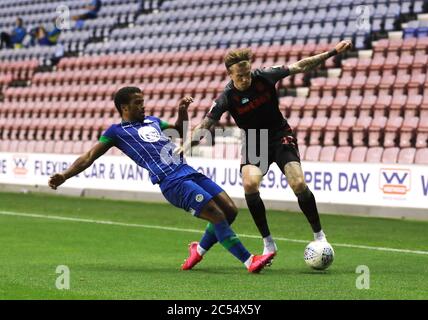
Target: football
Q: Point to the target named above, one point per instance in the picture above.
(319, 255)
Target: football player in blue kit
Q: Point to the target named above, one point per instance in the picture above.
(142, 139)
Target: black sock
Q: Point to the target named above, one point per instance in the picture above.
(309, 207)
(258, 211)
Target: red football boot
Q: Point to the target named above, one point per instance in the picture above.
(194, 257)
(259, 262)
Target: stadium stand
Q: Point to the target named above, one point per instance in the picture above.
(369, 106)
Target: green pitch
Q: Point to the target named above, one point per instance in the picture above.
(139, 256)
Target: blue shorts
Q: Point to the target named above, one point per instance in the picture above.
(189, 190)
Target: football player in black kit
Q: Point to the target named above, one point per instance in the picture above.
(252, 100)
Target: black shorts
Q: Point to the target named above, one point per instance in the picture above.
(281, 148)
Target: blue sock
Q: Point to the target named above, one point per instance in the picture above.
(230, 241)
(209, 239)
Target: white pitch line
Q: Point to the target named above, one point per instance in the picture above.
(123, 224)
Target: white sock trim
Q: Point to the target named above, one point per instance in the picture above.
(248, 262)
(201, 250)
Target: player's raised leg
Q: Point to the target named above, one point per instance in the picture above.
(228, 239)
(209, 238)
(294, 174)
(251, 179)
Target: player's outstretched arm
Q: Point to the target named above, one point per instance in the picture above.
(311, 63)
(183, 116)
(82, 163)
(198, 133)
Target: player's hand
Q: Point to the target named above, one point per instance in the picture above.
(185, 102)
(56, 180)
(343, 46)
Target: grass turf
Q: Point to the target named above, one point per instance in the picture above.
(128, 262)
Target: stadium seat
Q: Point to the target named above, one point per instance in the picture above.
(360, 131)
(331, 129)
(407, 156)
(408, 131)
(343, 154)
(390, 155)
(422, 133)
(317, 130)
(421, 156)
(391, 131)
(327, 153)
(376, 130)
(374, 155)
(312, 153)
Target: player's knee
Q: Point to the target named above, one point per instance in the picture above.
(298, 185)
(231, 210)
(250, 186)
(213, 213)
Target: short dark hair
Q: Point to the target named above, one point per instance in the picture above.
(237, 56)
(123, 96)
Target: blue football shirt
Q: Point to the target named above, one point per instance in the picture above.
(146, 144)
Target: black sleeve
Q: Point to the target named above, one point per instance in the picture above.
(274, 74)
(219, 107)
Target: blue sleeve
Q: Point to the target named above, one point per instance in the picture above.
(109, 136)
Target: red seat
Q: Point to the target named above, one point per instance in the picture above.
(338, 106)
(407, 155)
(317, 130)
(386, 83)
(345, 129)
(344, 85)
(303, 128)
(312, 153)
(353, 106)
(310, 106)
(343, 154)
(367, 105)
(416, 83)
(375, 130)
(408, 130)
(390, 64)
(331, 130)
(422, 133)
(421, 156)
(324, 106)
(349, 66)
(357, 85)
(382, 105)
(358, 154)
(317, 85)
(390, 155)
(363, 65)
(328, 153)
(297, 106)
(391, 131)
(412, 106)
(400, 85)
(360, 131)
(374, 155)
(330, 86)
(372, 84)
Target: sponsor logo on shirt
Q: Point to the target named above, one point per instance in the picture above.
(149, 134)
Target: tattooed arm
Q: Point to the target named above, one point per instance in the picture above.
(311, 63)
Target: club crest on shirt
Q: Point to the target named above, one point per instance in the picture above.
(199, 197)
(245, 100)
(149, 134)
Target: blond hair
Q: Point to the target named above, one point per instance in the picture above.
(237, 56)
